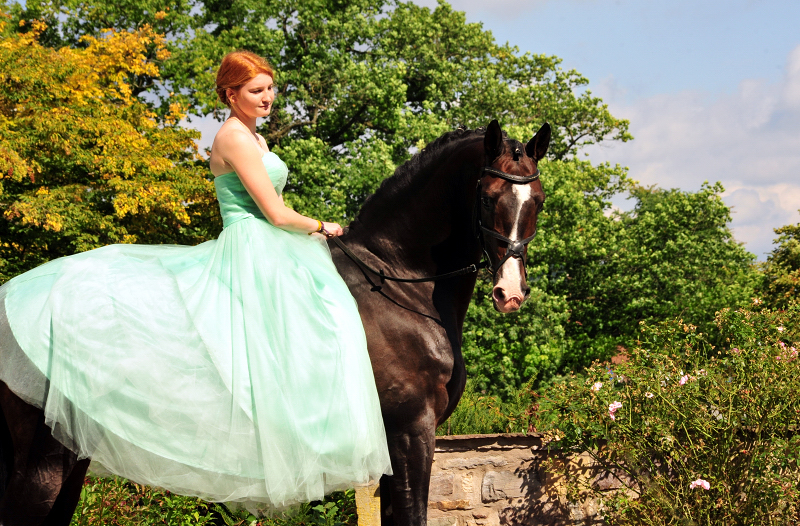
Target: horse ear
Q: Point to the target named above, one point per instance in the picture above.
(537, 146)
(493, 140)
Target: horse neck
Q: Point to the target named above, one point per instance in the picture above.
(428, 226)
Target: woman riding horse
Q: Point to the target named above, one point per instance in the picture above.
(168, 355)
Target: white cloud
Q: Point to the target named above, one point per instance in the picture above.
(791, 88)
(749, 140)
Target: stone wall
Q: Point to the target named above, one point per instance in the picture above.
(499, 480)
(493, 480)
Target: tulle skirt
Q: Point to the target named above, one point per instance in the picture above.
(235, 370)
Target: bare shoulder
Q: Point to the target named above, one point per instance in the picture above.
(232, 137)
(263, 142)
(229, 143)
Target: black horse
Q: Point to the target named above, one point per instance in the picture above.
(469, 193)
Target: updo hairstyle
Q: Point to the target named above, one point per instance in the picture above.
(237, 69)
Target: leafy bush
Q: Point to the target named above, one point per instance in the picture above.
(696, 434)
(338, 509)
(595, 273)
(84, 162)
(119, 502)
(504, 352)
(672, 255)
(480, 413)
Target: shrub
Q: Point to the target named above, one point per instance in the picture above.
(114, 501)
(338, 509)
(478, 412)
(107, 501)
(696, 434)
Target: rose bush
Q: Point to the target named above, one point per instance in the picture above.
(694, 434)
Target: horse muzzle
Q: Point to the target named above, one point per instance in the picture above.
(510, 286)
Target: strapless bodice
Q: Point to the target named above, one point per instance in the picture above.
(235, 203)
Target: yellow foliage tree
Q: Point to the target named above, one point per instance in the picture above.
(83, 161)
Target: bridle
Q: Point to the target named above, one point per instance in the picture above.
(516, 247)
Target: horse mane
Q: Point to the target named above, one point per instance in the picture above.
(408, 174)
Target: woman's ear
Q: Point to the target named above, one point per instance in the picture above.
(230, 95)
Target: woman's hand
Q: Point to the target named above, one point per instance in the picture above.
(332, 229)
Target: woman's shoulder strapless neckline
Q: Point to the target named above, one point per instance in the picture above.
(232, 172)
(235, 203)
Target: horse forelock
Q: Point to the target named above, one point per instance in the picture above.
(419, 166)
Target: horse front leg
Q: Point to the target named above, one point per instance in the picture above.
(45, 478)
(64, 507)
(404, 495)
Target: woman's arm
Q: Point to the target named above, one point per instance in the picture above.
(238, 150)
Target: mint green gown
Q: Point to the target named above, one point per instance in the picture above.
(234, 370)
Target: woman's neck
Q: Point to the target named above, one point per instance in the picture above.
(247, 122)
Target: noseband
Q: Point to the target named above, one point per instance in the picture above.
(515, 247)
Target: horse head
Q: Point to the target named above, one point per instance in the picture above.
(510, 199)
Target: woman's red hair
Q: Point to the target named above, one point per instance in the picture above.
(237, 69)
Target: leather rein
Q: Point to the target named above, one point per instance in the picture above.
(516, 247)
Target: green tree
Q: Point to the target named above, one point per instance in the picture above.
(362, 82)
(85, 163)
(673, 256)
(781, 281)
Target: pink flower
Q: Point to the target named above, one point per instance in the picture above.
(788, 354)
(612, 408)
(700, 483)
(781, 329)
(684, 379)
(597, 386)
(648, 394)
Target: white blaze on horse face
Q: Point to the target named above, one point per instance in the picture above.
(509, 290)
(522, 193)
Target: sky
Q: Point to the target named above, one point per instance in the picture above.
(711, 89)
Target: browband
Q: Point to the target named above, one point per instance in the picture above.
(517, 179)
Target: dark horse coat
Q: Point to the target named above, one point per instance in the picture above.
(423, 221)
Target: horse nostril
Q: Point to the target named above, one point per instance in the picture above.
(499, 294)
(527, 292)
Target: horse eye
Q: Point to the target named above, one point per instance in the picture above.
(486, 201)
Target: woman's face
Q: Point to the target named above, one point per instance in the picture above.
(254, 99)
